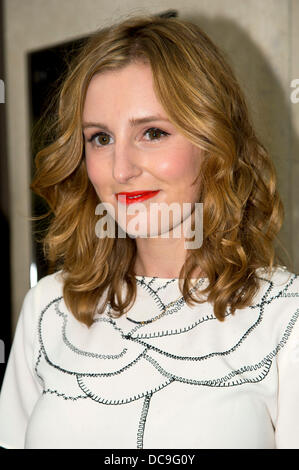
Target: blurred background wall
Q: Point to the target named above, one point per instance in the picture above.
(6, 326)
(259, 37)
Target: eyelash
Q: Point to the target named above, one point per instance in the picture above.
(164, 134)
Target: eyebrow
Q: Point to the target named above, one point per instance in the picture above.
(132, 122)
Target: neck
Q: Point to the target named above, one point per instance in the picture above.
(162, 257)
(159, 257)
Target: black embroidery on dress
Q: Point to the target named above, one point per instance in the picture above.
(222, 353)
(277, 296)
(80, 351)
(90, 374)
(123, 401)
(143, 282)
(142, 421)
(264, 365)
(60, 368)
(55, 392)
(177, 331)
(178, 305)
(36, 371)
(152, 293)
(235, 377)
(207, 356)
(164, 286)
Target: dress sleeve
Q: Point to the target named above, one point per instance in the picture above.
(20, 388)
(287, 424)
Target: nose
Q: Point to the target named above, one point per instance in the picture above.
(126, 162)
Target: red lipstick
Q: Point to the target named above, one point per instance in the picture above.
(136, 196)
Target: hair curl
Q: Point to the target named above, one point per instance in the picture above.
(242, 210)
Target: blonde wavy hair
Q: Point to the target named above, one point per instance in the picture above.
(242, 210)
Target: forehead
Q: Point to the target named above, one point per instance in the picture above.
(117, 90)
(133, 77)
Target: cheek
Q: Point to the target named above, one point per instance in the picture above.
(93, 171)
(181, 164)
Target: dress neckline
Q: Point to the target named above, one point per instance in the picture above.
(165, 278)
(259, 271)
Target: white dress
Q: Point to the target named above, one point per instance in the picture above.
(184, 381)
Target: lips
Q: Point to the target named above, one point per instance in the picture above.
(135, 196)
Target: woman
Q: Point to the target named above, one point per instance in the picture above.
(135, 340)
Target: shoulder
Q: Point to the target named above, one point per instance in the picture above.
(48, 286)
(278, 305)
(280, 284)
(45, 291)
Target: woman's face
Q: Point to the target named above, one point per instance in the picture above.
(124, 154)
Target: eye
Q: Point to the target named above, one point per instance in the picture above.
(100, 139)
(156, 133)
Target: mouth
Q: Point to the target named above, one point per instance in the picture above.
(135, 196)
